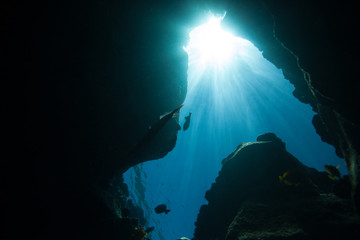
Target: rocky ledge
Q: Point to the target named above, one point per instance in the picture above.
(248, 201)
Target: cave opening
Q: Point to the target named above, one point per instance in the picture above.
(212, 44)
(234, 95)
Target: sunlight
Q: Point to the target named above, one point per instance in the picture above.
(234, 95)
(215, 57)
(211, 43)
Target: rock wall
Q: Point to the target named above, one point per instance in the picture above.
(97, 75)
(315, 46)
(293, 218)
(247, 200)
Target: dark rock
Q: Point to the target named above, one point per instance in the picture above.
(89, 92)
(319, 217)
(342, 188)
(97, 75)
(247, 200)
(314, 45)
(269, 137)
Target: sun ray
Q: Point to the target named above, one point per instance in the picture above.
(234, 95)
(210, 43)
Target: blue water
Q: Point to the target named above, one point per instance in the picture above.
(230, 103)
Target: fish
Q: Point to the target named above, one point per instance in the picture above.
(162, 208)
(187, 122)
(183, 238)
(293, 177)
(153, 131)
(333, 172)
(149, 229)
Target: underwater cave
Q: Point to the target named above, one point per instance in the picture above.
(234, 114)
(234, 95)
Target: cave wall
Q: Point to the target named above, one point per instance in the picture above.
(103, 78)
(96, 77)
(247, 200)
(315, 45)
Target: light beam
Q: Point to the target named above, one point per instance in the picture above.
(211, 43)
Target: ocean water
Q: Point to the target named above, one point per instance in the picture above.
(233, 98)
